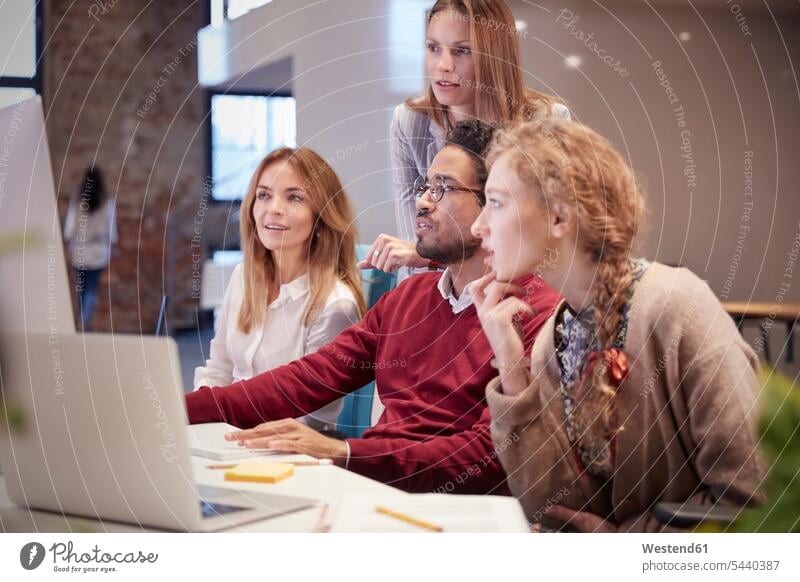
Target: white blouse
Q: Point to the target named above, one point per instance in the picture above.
(90, 234)
(280, 339)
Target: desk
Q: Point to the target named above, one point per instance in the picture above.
(789, 313)
(328, 483)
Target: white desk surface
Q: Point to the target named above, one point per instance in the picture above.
(328, 484)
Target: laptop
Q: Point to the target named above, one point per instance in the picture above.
(103, 431)
(104, 435)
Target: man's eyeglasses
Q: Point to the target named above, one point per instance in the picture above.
(439, 188)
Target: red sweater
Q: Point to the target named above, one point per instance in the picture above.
(431, 367)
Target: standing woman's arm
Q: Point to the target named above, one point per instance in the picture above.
(404, 172)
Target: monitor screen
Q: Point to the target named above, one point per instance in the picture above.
(34, 283)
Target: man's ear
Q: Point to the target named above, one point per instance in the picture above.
(561, 218)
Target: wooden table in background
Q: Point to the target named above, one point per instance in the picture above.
(786, 312)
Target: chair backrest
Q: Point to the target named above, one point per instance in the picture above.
(356, 415)
(213, 283)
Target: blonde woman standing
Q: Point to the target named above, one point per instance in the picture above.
(472, 61)
(639, 389)
(298, 285)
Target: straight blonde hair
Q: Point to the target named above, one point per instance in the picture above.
(331, 247)
(501, 95)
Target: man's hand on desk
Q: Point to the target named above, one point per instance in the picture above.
(291, 436)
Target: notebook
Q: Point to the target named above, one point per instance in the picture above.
(260, 472)
(453, 513)
(208, 441)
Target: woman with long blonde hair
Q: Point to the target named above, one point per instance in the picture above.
(474, 70)
(639, 389)
(298, 285)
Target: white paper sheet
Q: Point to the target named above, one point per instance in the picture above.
(454, 513)
(208, 441)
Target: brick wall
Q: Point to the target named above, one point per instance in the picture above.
(121, 87)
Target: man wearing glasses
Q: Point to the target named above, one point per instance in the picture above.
(389, 253)
(434, 432)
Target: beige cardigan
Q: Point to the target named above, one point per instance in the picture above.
(688, 407)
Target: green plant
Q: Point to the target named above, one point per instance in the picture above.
(11, 415)
(780, 441)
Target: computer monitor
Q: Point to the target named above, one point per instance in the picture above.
(34, 285)
(104, 436)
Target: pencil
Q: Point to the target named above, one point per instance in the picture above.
(295, 463)
(408, 519)
(323, 524)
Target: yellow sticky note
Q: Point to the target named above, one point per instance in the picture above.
(260, 472)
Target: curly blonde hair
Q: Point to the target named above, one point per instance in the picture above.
(567, 162)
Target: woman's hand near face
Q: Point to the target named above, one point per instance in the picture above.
(500, 321)
(389, 253)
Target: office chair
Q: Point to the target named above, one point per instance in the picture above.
(356, 415)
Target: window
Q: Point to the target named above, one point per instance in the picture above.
(230, 9)
(20, 50)
(244, 129)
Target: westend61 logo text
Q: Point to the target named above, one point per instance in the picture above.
(66, 559)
